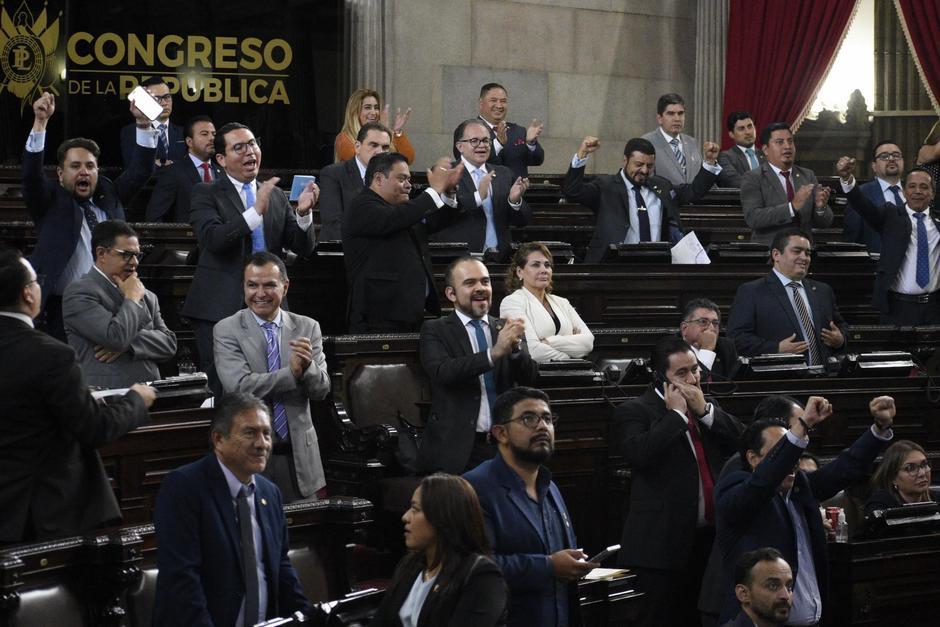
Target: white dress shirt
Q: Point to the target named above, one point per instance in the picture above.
(484, 420)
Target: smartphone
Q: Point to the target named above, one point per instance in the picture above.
(600, 557)
(145, 102)
(660, 383)
(298, 184)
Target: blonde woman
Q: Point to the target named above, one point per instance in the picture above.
(365, 105)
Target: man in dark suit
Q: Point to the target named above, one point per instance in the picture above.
(525, 516)
(766, 500)
(743, 156)
(514, 146)
(634, 205)
(341, 182)
(385, 244)
(887, 164)
(234, 216)
(65, 212)
(52, 483)
(470, 357)
(170, 145)
(675, 442)
(489, 196)
(221, 532)
(700, 324)
(679, 157)
(780, 194)
(170, 200)
(907, 284)
(763, 585)
(785, 312)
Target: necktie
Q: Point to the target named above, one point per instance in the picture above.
(704, 472)
(90, 216)
(483, 345)
(786, 177)
(751, 158)
(923, 252)
(680, 158)
(257, 236)
(807, 323)
(206, 174)
(162, 143)
(249, 557)
(642, 215)
(896, 191)
(274, 364)
(491, 240)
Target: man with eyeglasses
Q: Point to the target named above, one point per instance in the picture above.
(701, 322)
(112, 321)
(489, 196)
(526, 519)
(171, 146)
(887, 164)
(675, 442)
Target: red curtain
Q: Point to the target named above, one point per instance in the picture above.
(921, 22)
(778, 54)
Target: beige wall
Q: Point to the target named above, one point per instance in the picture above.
(582, 66)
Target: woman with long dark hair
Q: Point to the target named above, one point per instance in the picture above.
(902, 477)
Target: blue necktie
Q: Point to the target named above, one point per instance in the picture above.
(483, 345)
(90, 217)
(491, 240)
(680, 158)
(274, 364)
(162, 143)
(895, 190)
(923, 253)
(752, 158)
(257, 236)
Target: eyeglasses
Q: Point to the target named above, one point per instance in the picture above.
(39, 280)
(704, 322)
(476, 141)
(884, 156)
(915, 469)
(241, 147)
(127, 255)
(165, 98)
(532, 420)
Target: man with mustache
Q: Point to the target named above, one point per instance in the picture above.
(779, 193)
(470, 358)
(766, 500)
(515, 147)
(763, 584)
(526, 519)
(173, 190)
(887, 164)
(679, 156)
(743, 156)
(785, 312)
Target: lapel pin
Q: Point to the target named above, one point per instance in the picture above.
(264, 501)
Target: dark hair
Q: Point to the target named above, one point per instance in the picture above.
(77, 142)
(884, 476)
(874, 149)
(449, 272)
(782, 238)
(193, 121)
(519, 259)
(219, 142)
(664, 349)
(263, 258)
(923, 170)
(638, 144)
(383, 163)
(749, 559)
(810, 457)
(153, 80)
(106, 232)
(752, 439)
(459, 131)
(372, 126)
(770, 128)
(699, 303)
(490, 86)
(668, 99)
(14, 276)
(231, 405)
(776, 406)
(736, 116)
(451, 506)
(505, 402)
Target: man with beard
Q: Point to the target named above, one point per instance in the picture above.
(470, 358)
(526, 520)
(173, 190)
(887, 164)
(763, 584)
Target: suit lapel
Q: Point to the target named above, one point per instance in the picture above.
(518, 497)
(255, 342)
(264, 508)
(780, 292)
(459, 334)
(772, 182)
(815, 306)
(222, 500)
(287, 334)
(231, 203)
(112, 293)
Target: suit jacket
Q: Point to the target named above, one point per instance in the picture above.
(172, 192)
(519, 543)
(176, 150)
(751, 514)
(765, 205)
(52, 481)
(663, 514)
(241, 361)
(200, 580)
(95, 313)
(762, 316)
(666, 165)
(894, 225)
(225, 243)
(58, 218)
(741, 620)
(454, 369)
(339, 184)
(609, 199)
(734, 165)
(726, 359)
(516, 154)
(474, 595)
(388, 267)
(854, 228)
(470, 224)
(543, 342)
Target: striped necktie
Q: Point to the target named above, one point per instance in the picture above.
(680, 158)
(274, 364)
(807, 323)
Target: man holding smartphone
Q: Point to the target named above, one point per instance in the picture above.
(170, 141)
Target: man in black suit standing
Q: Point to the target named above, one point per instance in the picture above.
(634, 205)
(743, 156)
(489, 197)
(514, 146)
(470, 357)
(341, 182)
(700, 324)
(675, 442)
(170, 200)
(170, 145)
(52, 483)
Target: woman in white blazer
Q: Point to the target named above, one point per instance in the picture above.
(553, 329)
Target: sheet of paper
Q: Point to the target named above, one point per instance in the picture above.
(605, 573)
(689, 250)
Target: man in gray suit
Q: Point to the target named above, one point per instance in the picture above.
(780, 194)
(112, 321)
(679, 156)
(277, 356)
(743, 156)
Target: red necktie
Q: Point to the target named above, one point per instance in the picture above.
(786, 177)
(206, 176)
(703, 470)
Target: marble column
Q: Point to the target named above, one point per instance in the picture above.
(711, 38)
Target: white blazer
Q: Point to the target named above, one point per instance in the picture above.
(574, 339)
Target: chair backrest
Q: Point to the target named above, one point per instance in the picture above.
(376, 393)
(140, 599)
(311, 572)
(55, 604)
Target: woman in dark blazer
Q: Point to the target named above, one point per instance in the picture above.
(902, 477)
(447, 578)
